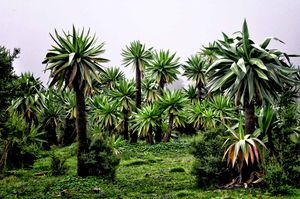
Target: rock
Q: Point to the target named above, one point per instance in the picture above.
(96, 190)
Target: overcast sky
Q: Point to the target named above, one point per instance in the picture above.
(182, 26)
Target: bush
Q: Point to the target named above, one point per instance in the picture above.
(208, 167)
(101, 160)
(276, 179)
(287, 151)
(58, 166)
(19, 146)
(282, 169)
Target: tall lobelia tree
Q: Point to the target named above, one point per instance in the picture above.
(150, 90)
(145, 120)
(172, 102)
(250, 72)
(75, 62)
(138, 56)
(51, 114)
(29, 99)
(68, 99)
(110, 77)
(124, 96)
(105, 113)
(164, 69)
(195, 69)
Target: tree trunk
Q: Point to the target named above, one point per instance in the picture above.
(81, 130)
(161, 86)
(170, 127)
(150, 136)
(249, 117)
(138, 85)
(159, 131)
(138, 97)
(69, 132)
(199, 90)
(134, 137)
(125, 124)
(51, 137)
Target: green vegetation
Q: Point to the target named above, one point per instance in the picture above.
(96, 134)
(146, 171)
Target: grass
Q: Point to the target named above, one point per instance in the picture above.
(157, 171)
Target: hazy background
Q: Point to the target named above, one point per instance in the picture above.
(182, 26)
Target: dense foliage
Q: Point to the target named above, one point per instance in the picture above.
(241, 107)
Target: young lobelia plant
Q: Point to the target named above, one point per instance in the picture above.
(242, 148)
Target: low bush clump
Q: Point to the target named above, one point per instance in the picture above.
(282, 168)
(276, 179)
(101, 159)
(20, 144)
(58, 166)
(208, 167)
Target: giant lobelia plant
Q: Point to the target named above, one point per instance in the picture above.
(252, 73)
(75, 62)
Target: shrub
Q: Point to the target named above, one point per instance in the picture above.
(276, 179)
(101, 160)
(19, 147)
(58, 166)
(287, 151)
(282, 169)
(208, 167)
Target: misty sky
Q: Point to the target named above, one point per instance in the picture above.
(182, 26)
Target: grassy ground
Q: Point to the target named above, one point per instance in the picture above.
(158, 171)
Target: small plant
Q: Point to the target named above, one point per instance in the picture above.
(58, 166)
(241, 148)
(101, 159)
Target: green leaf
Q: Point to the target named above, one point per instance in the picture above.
(261, 74)
(71, 57)
(251, 88)
(235, 69)
(241, 64)
(217, 63)
(246, 45)
(73, 75)
(259, 63)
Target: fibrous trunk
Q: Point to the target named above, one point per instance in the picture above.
(81, 131)
(134, 135)
(125, 124)
(199, 90)
(249, 117)
(170, 127)
(69, 134)
(159, 132)
(161, 85)
(138, 86)
(51, 137)
(150, 136)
